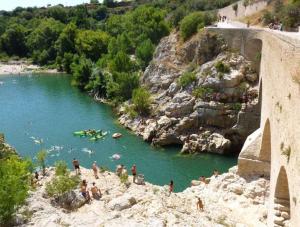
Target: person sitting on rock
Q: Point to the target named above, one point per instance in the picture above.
(96, 193)
(202, 179)
(119, 170)
(84, 191)
(200, 205)
(95, 169)
(216, 173)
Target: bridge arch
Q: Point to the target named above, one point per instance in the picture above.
(282, 198)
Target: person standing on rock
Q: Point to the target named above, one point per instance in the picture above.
(171, 187)
(133, 171)
(200, 205)
(76, 165)
(95, 169)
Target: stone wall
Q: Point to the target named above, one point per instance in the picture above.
(277, 141)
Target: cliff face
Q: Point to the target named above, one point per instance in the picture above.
(208, 113)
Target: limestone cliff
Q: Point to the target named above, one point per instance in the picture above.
(214, 112)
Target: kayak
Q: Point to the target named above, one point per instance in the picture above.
(99, 136)
(80, 133)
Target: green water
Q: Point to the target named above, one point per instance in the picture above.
(48, 107)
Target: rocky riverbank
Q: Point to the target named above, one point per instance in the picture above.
(22, 67)
(216, 107)
(228, 200)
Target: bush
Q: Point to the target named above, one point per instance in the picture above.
(202, 92)
(61, 168)
(61, 184)
(82, 71)
(194, 21)
(14, 178)
(41, 158)
(236, 106)
(221, 67)
(121, 85)
(144, 53)
(141, 100)
(131, 111)
(186, 79)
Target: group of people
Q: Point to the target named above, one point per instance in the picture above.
(277, 25)
(222, 18)
(121, 171)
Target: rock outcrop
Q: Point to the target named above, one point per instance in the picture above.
(228, 200)
(213, 112)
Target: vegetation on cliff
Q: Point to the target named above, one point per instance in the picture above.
(104, 46)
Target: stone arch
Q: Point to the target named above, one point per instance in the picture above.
(282, 199)
(265, 150)
(252, 51)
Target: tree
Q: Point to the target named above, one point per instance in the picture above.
(92, 44)
(41, 158)
(144, 53)
(14, 178)
(97, 82)
(13, 40)
(81, 72)
(141, 100)
(121, 85)
(94, 1)
(42, 39)
(192, 22)
(121, 63)
(66, 40)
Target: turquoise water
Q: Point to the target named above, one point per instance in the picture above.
(49, 108)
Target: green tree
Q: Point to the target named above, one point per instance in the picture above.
(13, 41)
(67, 62)
(41, 158)
(82, 71)
(121, 63)
(186, 79)
(14, 178)
(141, 100)
(92, 44)
(144, 53)
(192, 22)
(66, 40)
(97, 82)
(41, 40)
(121, 85)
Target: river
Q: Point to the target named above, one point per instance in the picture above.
(49, 108)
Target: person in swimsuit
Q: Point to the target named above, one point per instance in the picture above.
(133, 171)
(95, 169)
(84, 191)
(96, 193)
(76, 165)
(171, 187)
(200, 204)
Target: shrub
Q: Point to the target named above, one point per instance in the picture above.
(236, 106)
(41, 158)
(61, 184)
(131, 111)
(186, 79)
(103, 169)
(14, 178)
(144, 53)
(61, 168)
(124, 178)
(235, 7)
(221, 67)
(141, 100)
(194, 21)
(202, 92)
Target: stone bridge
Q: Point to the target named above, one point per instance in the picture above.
(274, 148)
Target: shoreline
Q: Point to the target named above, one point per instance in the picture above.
(22, 68)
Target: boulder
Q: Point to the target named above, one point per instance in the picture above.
(122, 203)
(71, 200)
